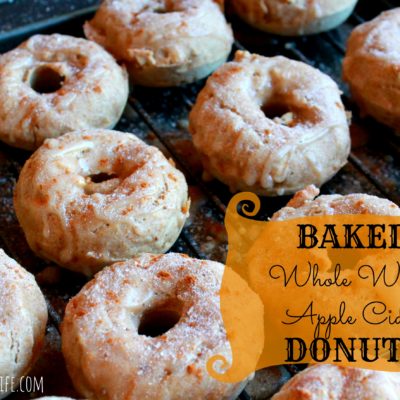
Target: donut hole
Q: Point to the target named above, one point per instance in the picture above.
(102, 182)
(46, 80)
(280, 112)
(102, 177)
(165, 7)
(161, 318)
(161, 10)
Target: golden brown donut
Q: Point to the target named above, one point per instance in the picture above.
(163, 42)
(294, 17)
(50, 85)
(270, 125)
(91, 198)
(372, 67)
(145, 329)
(329, 382)
(307, 204)
(23, 316)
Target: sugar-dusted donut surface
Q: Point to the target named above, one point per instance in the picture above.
(23, 316)
(53, 84)
(91, 198)
(270, 125)
(294, 17)
(307, 204)
(372, 67)
(163, 42)
(329, 382)
(145, 329)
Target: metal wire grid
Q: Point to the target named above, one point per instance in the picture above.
(160, 118)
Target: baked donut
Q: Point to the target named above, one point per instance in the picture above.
(329, 382)
(163, 42)
(53, 84)
(145, 329)
(307, 204)
(91, 198)
(372, 67)
(294, 17)
(23, 315)
(270, 125)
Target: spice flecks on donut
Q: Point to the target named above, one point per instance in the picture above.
(145, 329)
(307, 204)
(372, 67)
(23, 316)
(163, 42)
(327, 382)
(54, 84)
(294, 17)
(270, 125)
(91, 198)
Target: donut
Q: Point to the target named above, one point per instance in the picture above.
(372, 68)
(23, 315)
(329, 382)
(307, 204)
(163, 42)
(270, 125)
(54, 84)
(294, 18)
(91, 198)
(145, 329)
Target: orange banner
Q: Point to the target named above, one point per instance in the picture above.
(320, 289)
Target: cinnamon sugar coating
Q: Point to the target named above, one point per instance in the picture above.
(294, 17)
(91, 198)
(307, 204)
(163, 42)
(329, 382)
(23, 316)
(108, 354)
(372, 67)
(53, 84)
(270, 125)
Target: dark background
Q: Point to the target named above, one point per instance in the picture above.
(19, 13)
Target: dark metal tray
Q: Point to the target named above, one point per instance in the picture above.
(160, 118)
